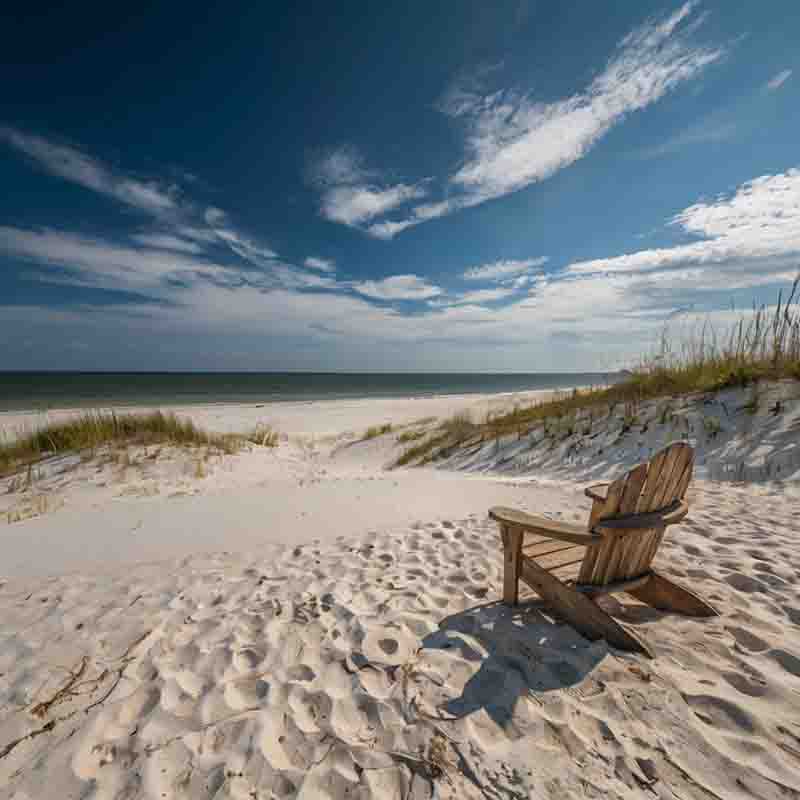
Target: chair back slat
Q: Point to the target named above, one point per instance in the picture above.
(628, 552)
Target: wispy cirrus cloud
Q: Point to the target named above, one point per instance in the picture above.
(167, 241)
(72, 164)
(481, 296)
(514, 140)
(320, 264)
(754, 233)
(397, 287)
(504, 269)
(352, 194)
(776, 82)
(244, 246)
(99, 262)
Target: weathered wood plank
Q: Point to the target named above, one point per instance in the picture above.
(680, 491)
(666, 595)
(675, 463)
(512, 559)
(555, 560)
(633, 489)
(669, 515)
(544, 548)
(653, 478)
(597, 491)
(580, 611)
(613, 588)
(596, 558)
(550, 528)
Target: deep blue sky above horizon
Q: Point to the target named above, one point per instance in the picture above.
(519, 185)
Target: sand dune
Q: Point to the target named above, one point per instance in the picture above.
(366, 655)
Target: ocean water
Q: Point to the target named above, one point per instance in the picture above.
(42, 390)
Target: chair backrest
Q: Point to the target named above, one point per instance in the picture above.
(627, 553)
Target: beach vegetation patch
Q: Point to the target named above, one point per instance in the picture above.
(374, 431)
(92, 430)
(760, 345)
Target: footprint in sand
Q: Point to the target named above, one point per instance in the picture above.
(790, 662)
(744, 583)
(721, 713)
(747, 640)
(753, 685)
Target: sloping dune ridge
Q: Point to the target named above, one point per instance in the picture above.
(372, 657)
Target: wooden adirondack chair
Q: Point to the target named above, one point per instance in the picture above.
(568, 565)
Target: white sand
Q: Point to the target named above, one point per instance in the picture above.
(310, 625)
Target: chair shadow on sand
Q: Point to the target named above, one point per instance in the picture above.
(521, 652)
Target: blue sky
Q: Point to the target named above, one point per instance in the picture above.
(508, 186)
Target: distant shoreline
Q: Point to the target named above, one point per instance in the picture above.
(39, 392)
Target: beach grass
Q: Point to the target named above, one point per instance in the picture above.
(763, 345)
(91, 430)
(264, 436)
(374, 431)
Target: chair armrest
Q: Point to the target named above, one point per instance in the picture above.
(649, 519)
(551, 529)
(598, 491)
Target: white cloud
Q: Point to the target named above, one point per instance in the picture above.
(240, 244)
(99, 262)
(320, 264)
(779, 80)
(758, 229)
(72, 165)
(398, 287)
(480, 296)
(352, 205)
(166, 241)
(503, 270)
(353, 195)
(340, 167)
(514, 141)
(158, 272)
(421, 213)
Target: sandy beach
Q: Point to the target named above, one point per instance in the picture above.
(303, 621)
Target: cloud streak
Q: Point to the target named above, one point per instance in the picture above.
(758, 226)
(504, 270)
(398, 287)
(778, 81)
(513, 141)
(73, 165)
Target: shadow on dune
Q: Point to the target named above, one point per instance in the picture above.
(520, 652)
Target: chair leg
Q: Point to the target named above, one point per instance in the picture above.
(512, 558)
(666, 595)
(580, 610)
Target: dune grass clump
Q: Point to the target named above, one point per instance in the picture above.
(450, 433)
(91, 430)
(762, 345)
(264, 436)
(410, 436)
(376, 430)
